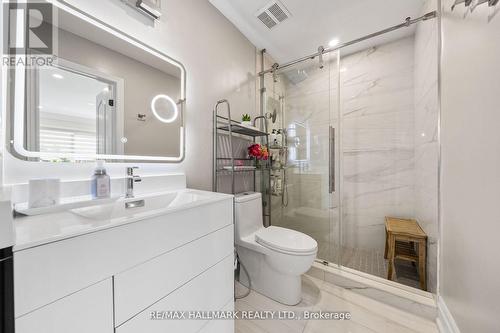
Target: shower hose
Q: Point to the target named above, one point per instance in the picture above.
(248, 276)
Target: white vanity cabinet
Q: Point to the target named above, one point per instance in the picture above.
(88, 310)
(206, 292)
(110, 280)
(139, 287)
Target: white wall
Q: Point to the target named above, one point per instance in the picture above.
(220, 63)
(150, 137)
(426, 136)
(469, 274)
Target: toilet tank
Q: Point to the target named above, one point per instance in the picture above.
(247, 213)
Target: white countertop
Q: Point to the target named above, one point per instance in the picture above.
(31, 231)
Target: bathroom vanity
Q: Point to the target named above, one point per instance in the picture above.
(106, 268)
(122, 263)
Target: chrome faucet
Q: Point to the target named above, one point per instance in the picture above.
(131, 179)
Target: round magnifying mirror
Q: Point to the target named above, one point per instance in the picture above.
(164, 108)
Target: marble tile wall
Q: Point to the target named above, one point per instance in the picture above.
(426, 136)
(389, 99)
(377, 105)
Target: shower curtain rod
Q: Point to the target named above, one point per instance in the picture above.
(408, 22)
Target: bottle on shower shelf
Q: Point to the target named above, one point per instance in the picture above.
(278, 139)
(276, 162)
(278, 185)
(272, 137)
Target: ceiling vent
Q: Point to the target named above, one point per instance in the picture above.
(273, 14)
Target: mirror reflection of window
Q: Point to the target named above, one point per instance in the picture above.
(73, 120)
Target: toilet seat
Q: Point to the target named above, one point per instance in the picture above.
(286, 241)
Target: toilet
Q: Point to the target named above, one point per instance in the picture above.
(274, 257)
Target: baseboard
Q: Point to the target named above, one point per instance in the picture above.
(445, 321)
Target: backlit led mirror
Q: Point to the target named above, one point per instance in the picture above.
(104, 96)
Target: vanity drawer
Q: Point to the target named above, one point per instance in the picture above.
(210, 291)
(143, 285)
(89, 310)
(49, 272)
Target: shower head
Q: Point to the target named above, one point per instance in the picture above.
(272, 115)
(296, 76)
(273, 105)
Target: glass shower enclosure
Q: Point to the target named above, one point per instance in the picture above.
(355, 141)
(304, 194)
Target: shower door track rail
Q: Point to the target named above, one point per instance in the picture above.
(407, 23)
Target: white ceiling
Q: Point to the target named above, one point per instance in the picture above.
(316, 22)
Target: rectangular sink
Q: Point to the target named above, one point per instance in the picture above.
(142, 205)
(82, 217)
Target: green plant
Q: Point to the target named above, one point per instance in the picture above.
(246, 117)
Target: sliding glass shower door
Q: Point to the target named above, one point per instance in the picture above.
(344, 159)
(360, 144)
(304, 139)
(378, 152)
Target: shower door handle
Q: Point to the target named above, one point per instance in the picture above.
(331, 161)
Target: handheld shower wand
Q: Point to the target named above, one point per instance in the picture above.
(284, 196)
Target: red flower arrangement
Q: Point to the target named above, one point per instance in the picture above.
(258, 151)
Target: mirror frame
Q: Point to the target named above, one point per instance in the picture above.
(17, 100)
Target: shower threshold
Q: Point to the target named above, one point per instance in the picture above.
(380, 289)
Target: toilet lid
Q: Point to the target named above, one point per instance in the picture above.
(282, 239)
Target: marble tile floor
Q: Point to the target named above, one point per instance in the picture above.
(368, 315)
(373, 262)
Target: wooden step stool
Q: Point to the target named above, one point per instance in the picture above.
(401, 235)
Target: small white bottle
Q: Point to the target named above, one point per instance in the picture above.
(272, 137)
(101, 182)
(279, 138)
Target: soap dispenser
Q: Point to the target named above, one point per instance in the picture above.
(101, 182)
